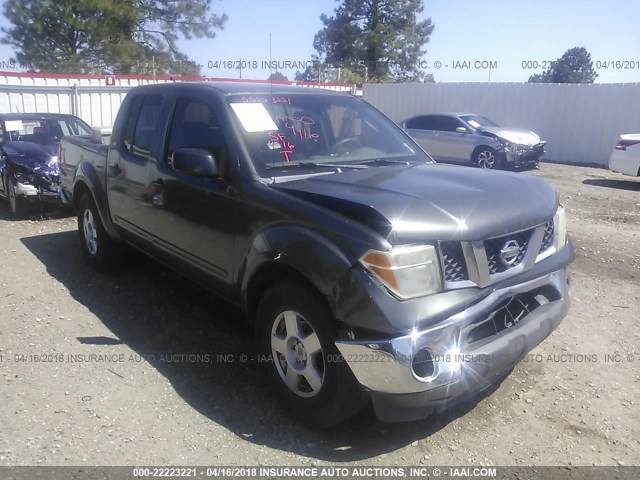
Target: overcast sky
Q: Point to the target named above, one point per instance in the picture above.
(469, 34)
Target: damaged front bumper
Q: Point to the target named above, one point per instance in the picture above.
(414, 375)
(524, 155)
(34, 194)
(46, 192)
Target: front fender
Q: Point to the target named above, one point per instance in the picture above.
(308, 252)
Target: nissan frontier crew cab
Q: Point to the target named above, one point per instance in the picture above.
(370, 273)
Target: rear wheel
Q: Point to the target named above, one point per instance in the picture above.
(19, 205)
(486, 157)
(296, 332)
(98, 248)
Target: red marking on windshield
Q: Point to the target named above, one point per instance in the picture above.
(278, 140)
(254, 100)
(265, 100)
(299, 126)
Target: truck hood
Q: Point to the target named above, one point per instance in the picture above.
(417, 203)
(513, 135)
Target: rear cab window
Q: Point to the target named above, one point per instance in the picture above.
(142, 124)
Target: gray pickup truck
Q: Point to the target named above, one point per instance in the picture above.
(371, 274)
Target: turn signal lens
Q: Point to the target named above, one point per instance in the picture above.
(408, 272)
(561, 227)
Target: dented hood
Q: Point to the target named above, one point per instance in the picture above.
(514, 135)
(408, 204)
(37, 157)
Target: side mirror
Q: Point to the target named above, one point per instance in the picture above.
(461, 130)
(194, 161)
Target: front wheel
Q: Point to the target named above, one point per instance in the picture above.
(486, 157)
(98, 248)
(18, 204)
(296, 332)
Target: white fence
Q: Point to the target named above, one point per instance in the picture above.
(581, 123)
(94, 98)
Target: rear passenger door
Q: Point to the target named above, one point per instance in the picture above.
(423, 130)
(128, 165)
(193, 217)
(455, 147)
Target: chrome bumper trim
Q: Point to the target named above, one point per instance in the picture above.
(385, 366)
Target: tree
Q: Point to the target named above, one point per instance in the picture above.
(107, 36)
(379, 40)
(575, 66)
(320, 71)
(277, 76)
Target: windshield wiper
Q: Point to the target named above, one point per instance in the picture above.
(388, 161)
(352, 166)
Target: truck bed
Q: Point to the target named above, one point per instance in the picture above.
(78, 149)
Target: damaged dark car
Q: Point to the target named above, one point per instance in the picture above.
(29, 158)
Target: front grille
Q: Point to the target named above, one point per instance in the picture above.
(547, 239)
(454, 265)
(494, 247)
(503, 254)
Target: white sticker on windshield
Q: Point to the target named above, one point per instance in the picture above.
(254, 117)
(474, 124)
(14, 126)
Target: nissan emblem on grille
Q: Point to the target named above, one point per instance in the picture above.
(509, 253)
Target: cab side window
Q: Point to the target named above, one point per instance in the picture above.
(422, 123)
(142, 124)
(195, 125)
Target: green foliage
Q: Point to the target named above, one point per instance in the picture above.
(322, 72)
(107, 36)
(575, 66)
(378, 40)
(277, 76)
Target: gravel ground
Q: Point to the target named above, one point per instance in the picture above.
(96, 369)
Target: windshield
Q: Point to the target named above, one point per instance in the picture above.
(284, 133)
(476, 121)
(46, 130)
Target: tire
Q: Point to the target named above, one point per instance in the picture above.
(296, 332)
(487, 158)
(99, 250)
(19, 206)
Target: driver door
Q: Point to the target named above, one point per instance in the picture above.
(194, 217)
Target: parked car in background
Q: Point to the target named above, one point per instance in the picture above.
(472, 139)
(29, 153)
(625, 158)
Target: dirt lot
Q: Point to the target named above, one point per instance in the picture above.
(140, 399)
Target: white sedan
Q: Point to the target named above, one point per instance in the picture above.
(626, 156)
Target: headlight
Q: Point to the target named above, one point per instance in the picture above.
(53, 162)
(407, 272)
(513, 147)
(561, 227)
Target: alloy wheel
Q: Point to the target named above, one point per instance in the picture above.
(90, 233)
(297, 354)
(486, 159)
(12, 196)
